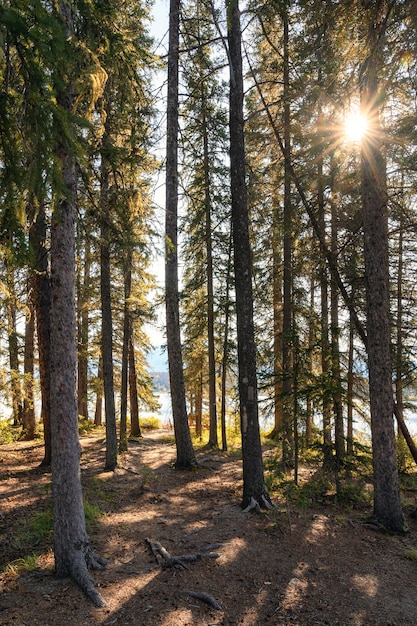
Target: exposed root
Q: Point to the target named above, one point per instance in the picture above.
(206, 598)
(165, 559)
(79, 574)
(264, 502)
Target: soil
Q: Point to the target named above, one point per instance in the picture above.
(320, 564)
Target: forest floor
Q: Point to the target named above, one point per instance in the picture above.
(309, 565)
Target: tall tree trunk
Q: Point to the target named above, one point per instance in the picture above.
(387, 503)
(225, 355)
(42, 303)
(349, 399)
(72, 550)
(98, 413)
(28, 415)
(311, 335)
(335, 349)
(125, 354)
(324, 321)
(287, 311)
(277, 302)
(185, 452)
(254, 489)
(135, 430)
(83, 324)
(15, 386)
(213, 437)
(106, 307)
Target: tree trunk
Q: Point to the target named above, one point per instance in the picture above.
(106, 307)
(98, 413)
(83, 324)
(213, 437)
(225, 355)
(15, 386)
(335, 349)
(287, 316)
(324, 321)
(387, 503)
(185, 452)
(349, 399)
(254, 489)
(135, 430)
(28, 415)
(72, 550)
(42, 303)
(125, 354)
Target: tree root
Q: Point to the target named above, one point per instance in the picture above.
(165, 559)
(206, 598)
(263, 502)
(82, 560)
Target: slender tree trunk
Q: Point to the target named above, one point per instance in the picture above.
(254, 489)
(324, 320)
(287, 312)
(185, 452)
(135, 430)
(15, 385)
(349, 400)
(387, 503)
(28, 415)
(125, 355)
(311, 334)
(98, 413)
(106, 305)
(72, 550)
(335, 349)
(213, 437)
(42, 303)
(83, 325)
(277, 317)
(225, 355)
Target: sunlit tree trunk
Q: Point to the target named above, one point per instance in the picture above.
(42, 303)
(254, 489)
(127, 324)
(106, 305)
(72, 551)
(185, 452)
(28, 415)
(387, 503)
(287, 311)
(82, 327)
(135, 430)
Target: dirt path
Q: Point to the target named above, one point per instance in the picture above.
(298, 568)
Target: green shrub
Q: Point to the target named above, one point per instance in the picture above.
(150, 423)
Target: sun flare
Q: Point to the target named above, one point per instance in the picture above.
(355, 126)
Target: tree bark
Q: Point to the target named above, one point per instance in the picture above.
(387, 503)
(28, 415)
(72, 550)
(106, 305)
(185, 453)
(135, 430)
(42, 303)
(125, 354)
(254, 489)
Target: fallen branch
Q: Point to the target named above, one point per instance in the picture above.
(165, 559)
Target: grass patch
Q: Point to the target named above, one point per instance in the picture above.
(411, 554)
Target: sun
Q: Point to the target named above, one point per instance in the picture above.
(355, 126)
